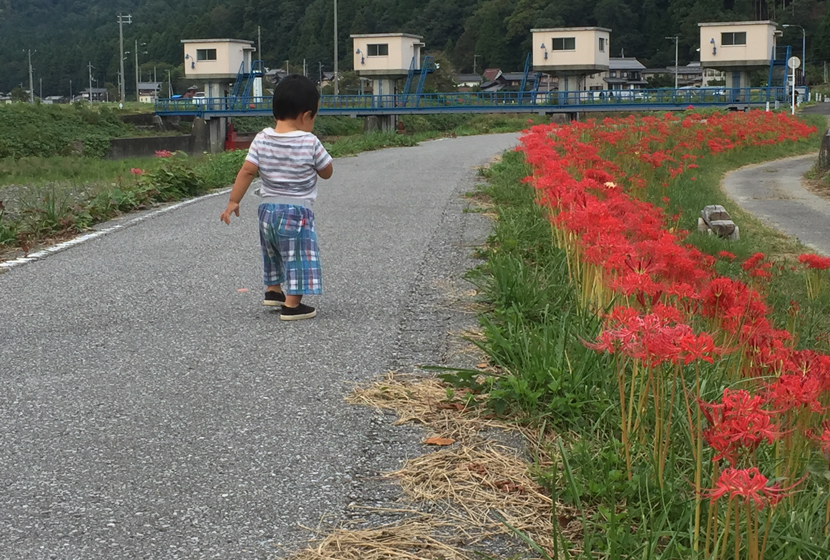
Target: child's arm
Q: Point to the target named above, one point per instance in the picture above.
(326, 172)
(240, 187)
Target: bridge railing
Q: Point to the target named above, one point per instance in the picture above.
(503, 101)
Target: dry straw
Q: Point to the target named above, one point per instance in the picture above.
(469, 482)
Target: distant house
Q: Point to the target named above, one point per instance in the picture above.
(5, 99)
(53, 99)
(466, 81)
(95, 94)
(691, 75)
(148, 92)
(491, 75)
(623, 73)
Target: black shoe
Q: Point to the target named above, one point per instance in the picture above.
(274, 299)
(302, 311)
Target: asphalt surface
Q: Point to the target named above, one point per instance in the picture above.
(150, 409)
(773, 192)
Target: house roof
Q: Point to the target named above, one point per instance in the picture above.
(685, 70)
(492, 85)
(546, 29)
(623, 63)
(217, 41)
(149, 85)
(723, 23)
(458, 78)
(380, 35)
(513, 76)
(491, 74)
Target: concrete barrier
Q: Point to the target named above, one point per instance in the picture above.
(146, 146)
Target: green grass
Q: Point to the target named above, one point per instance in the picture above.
(534, 331)
(34, 171)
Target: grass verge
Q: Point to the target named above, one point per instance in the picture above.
(535, 330)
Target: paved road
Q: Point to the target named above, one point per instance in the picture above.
(773, 192)
(151, 410)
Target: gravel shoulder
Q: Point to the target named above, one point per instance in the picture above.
(153, 410)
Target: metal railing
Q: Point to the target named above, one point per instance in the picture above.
(481, 102)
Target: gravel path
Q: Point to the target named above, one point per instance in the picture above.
(773, 192)
(151, 410)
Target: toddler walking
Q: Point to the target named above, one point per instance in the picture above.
(288, 158)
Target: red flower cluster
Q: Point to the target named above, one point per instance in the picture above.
(748, 485)
(593, 176)
(814, 261)
(737, 425)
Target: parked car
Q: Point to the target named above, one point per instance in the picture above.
(199, 98)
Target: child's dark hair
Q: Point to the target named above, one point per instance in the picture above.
(293, 96)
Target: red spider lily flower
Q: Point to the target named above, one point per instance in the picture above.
(795, 391)
(136, 171)
(164, 154)
(823, 439)
(726, 255)
(753, 261)
(814, 261)
(700, 347)
(738, 425)
(750, 486)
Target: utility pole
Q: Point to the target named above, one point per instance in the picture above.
(336, 88)
(41, 89)
(91, 67)
(320, 63)
(136, 71)
(259, 41)
(676, 41)
(121, 21)
(70, 90)
(31, 82)
(475, 59)
(169, 86)
(287, 71)
(305, 69)
(803, 49)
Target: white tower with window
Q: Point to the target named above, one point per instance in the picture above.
(737, 48)
(572, 54)
(385, 58)
(217, 62)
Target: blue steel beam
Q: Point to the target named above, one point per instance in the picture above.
(488, 102)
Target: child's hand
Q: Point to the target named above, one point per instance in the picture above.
(233, 208)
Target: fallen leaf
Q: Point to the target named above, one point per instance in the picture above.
(450, 406)
(477, 468)
(439, 441)
(507, 486)
(240, 290)
(482, 365)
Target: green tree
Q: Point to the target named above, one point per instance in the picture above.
(19, 94)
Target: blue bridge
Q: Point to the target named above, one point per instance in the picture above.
(490, 102)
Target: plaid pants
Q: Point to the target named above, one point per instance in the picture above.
(290, 255)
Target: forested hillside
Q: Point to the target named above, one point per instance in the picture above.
(70, 34)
